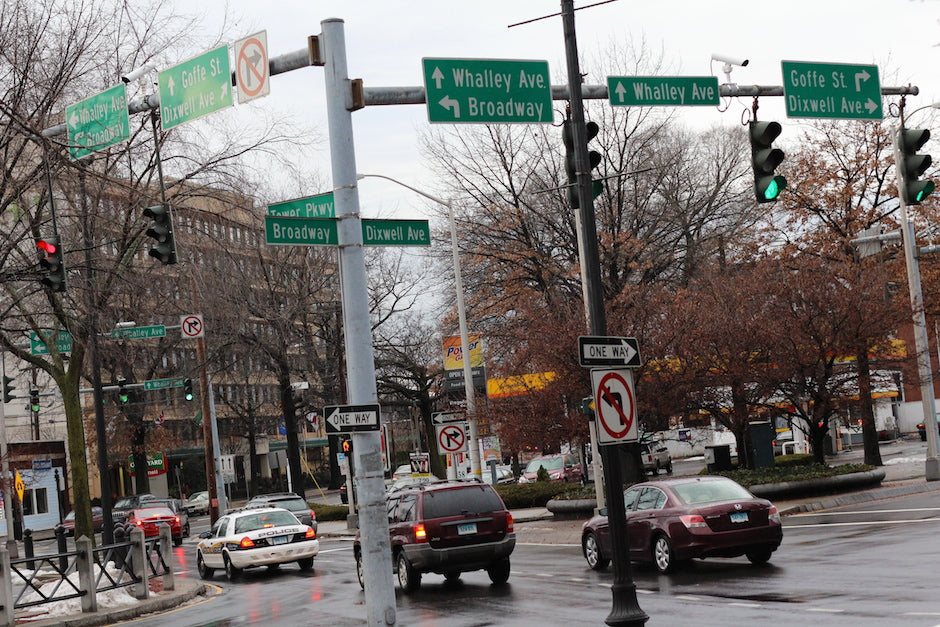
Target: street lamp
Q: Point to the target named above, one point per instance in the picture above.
(462, 319)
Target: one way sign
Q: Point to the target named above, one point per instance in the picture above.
(608, 351)
(348, 418)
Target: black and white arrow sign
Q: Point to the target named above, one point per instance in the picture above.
(349, 418)
(608, 351)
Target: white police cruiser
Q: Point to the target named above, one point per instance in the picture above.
(255, 537)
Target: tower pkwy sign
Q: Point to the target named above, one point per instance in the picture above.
(838, 91)
(98, 122)
(195, 88)
(319, 206)
(487, 91)
(678, 91)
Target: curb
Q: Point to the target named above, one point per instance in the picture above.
(840, 482)
(119, 614)
(862, 496)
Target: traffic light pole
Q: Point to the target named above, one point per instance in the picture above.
(921, 342)
(626, 609)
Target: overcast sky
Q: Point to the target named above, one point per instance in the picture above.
(386, 40)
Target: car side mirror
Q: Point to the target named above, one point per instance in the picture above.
(205, 534)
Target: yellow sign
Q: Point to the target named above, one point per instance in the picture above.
(453, 355)
(18, 484)
(514, 386)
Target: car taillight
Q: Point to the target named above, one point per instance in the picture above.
(693, 521)
(246, 543)
(421, 534)
(313, 515)
(310, 533)
(177, 519)
(139, 523)
(510, 524)
(773, 515)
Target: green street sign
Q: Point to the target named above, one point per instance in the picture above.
(839, 91)
(195, 88)
(676, 91)
(484, 91)
(280, 230)
(289, 231)
(38, 346)
(137, 333)
(319, 206)
(97, 122)
(162, 384)
(396, 233)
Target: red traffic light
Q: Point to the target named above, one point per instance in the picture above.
(49, 247)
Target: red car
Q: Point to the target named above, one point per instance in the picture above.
(150, 518)
(675, 520)
(68, 523)
(559, 468)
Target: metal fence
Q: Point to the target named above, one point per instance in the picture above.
(35, 580)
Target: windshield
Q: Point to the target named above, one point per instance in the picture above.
(261, 521)
(294, 505)
(549, 463)
(697, 492)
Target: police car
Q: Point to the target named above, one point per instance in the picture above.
(254, 537)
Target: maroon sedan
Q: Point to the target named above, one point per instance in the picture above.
(675, 520)
(97, 521)
(150, 518)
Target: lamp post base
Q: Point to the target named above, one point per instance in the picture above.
(626, 610)
(932, 468)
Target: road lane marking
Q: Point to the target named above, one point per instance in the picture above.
(738, 604)
(870, 511)
(863, 523)
(831, 610)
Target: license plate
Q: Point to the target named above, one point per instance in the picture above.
(283, 539)
(466, 529)
(739, 517)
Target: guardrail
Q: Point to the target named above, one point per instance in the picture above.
(35, 580)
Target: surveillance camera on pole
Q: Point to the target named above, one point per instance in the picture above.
(132, 76)
(728, 63)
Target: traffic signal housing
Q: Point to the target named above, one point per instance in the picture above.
(162, 232)
(34, 401)
(347, 445)
(571, 165)
(52, 263)
(765, 159)
(8, 389)
(912, 165)
(122, 390)
(188, 390)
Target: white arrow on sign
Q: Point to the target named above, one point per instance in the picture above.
(621, 90)
(437, 77)
(449, 103)
(859, 77)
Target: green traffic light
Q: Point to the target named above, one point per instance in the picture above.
(925, 190)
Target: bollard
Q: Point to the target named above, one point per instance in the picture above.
(62, 547)
(6, 589)
(28, 548)
(85, 565)
(164, 556)
(139, 557)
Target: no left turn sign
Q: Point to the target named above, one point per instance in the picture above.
(451, 438)
(615, 405)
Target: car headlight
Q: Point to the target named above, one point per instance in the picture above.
(523, 479)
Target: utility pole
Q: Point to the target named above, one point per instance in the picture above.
(626, 610)
(360, 358)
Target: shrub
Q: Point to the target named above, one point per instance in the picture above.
(777, 474)
(797, 459)
(522, 495)
(329, 512)
(542, 474)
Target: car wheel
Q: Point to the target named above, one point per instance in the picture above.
(669, 468)
(305, 563)
(451, 577)
(230, 570)
(499, 571)
(359, 571)
(272, 567)
(408, 578)
(204, 571)
(760, 555)
(592, 552)
(186, 531)
(663, 558)
(177, 540)
(656, 469)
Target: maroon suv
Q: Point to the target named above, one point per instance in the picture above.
(448, 527)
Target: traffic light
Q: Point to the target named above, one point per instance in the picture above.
(347, 446)
(7, 389)
(765, 159)
(594, 159)
(122, 390)
(587, 406)
(188, 390)
(162, 232)
(34, 401)
(911, 165)
(52, 264)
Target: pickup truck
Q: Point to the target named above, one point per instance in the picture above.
(655, 456)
